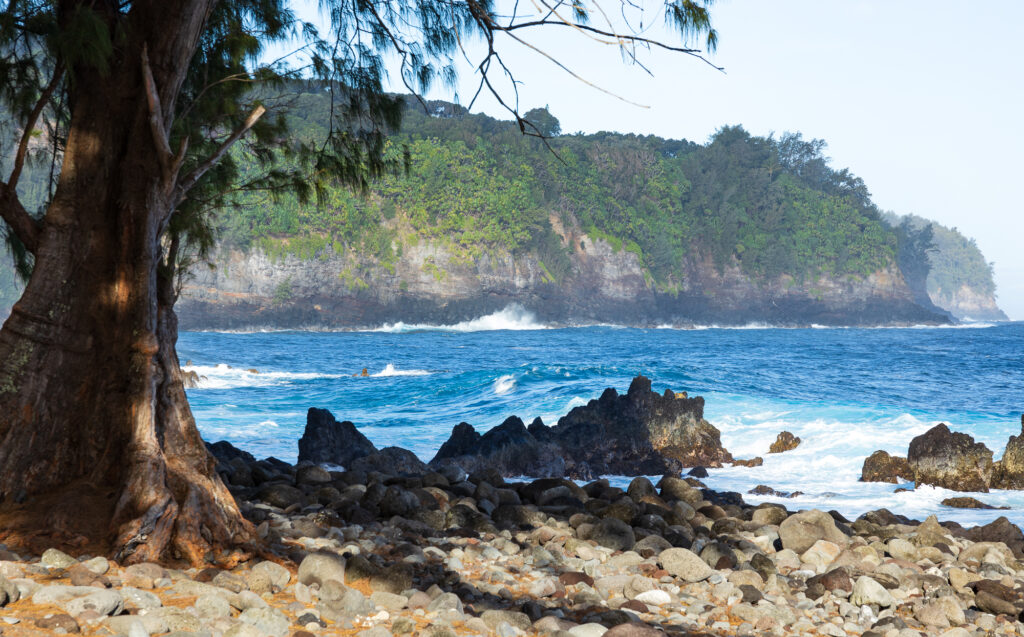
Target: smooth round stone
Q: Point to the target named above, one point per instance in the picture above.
(655, 597)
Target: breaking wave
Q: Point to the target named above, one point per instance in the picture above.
(513, 317)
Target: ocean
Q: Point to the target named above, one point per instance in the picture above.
(845, 391)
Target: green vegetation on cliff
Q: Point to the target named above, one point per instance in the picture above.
(771, 206)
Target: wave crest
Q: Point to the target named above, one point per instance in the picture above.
(513, 317)
(224, 376)
(390, 370)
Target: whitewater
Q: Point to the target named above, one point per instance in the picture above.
(845, 392)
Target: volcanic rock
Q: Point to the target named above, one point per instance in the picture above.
(784, 442)
(801, 530)
(327, 440)
(881, 467)
(641, 433)
(390, 460)
(509, 448)
(966, 503)
(942, 458)
(1009, 472)
(1000, 530)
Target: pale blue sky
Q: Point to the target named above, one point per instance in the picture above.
(922, 99)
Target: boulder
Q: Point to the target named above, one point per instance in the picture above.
(1000, 530)
(951, 460)
(684, 564)
(390, 460)
(882, 467)
(319, 568)
(867, 591)
(327, 440)
(614, 534)
(1008, 473)
(800, 531)
(225, 452)
(784, 442)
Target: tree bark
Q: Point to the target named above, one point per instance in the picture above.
(98, 447)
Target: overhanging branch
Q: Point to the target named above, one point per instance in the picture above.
(30, 124)
(21, 223)
(189, 180)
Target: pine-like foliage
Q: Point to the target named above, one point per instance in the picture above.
(45, 44)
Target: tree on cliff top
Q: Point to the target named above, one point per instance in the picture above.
(140, 111)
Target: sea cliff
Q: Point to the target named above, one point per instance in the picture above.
(428, 283)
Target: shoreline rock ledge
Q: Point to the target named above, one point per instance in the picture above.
(951, 460)
(639, 433)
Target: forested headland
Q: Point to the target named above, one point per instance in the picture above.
(768, 209)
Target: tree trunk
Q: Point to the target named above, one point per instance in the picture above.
(98, 447)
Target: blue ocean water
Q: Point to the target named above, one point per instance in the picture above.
(845, 392)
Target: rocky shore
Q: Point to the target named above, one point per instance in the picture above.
(445, 553)
(390, 545)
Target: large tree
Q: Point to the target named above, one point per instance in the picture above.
(148, 115)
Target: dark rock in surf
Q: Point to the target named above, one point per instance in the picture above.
(784, 442)
(951, 460)
(752, 462)
(191, 379)
(327, 440)
(510, 449)
(641, 433)
(882, 467)
(966, 503)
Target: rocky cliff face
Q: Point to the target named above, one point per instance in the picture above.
(431, 283)
(966, 303)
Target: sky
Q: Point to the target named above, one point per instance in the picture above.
(922, 99)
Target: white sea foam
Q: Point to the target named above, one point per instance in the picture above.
(390, 370)
(504, 384)
(513, 317)
(224, 376)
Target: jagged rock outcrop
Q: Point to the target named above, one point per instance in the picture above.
(510, 448)
(952, 460)
(1009, 471)
(882, 467)
(785, 441)
(327, 440)
(640, 433)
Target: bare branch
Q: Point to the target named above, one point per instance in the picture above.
(20, 222)
(156, 120)
(697, 53)
(186, 184)
(30, 124)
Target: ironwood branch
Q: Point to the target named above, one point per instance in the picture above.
(30, 124)
(190, 179)
(20, 222)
